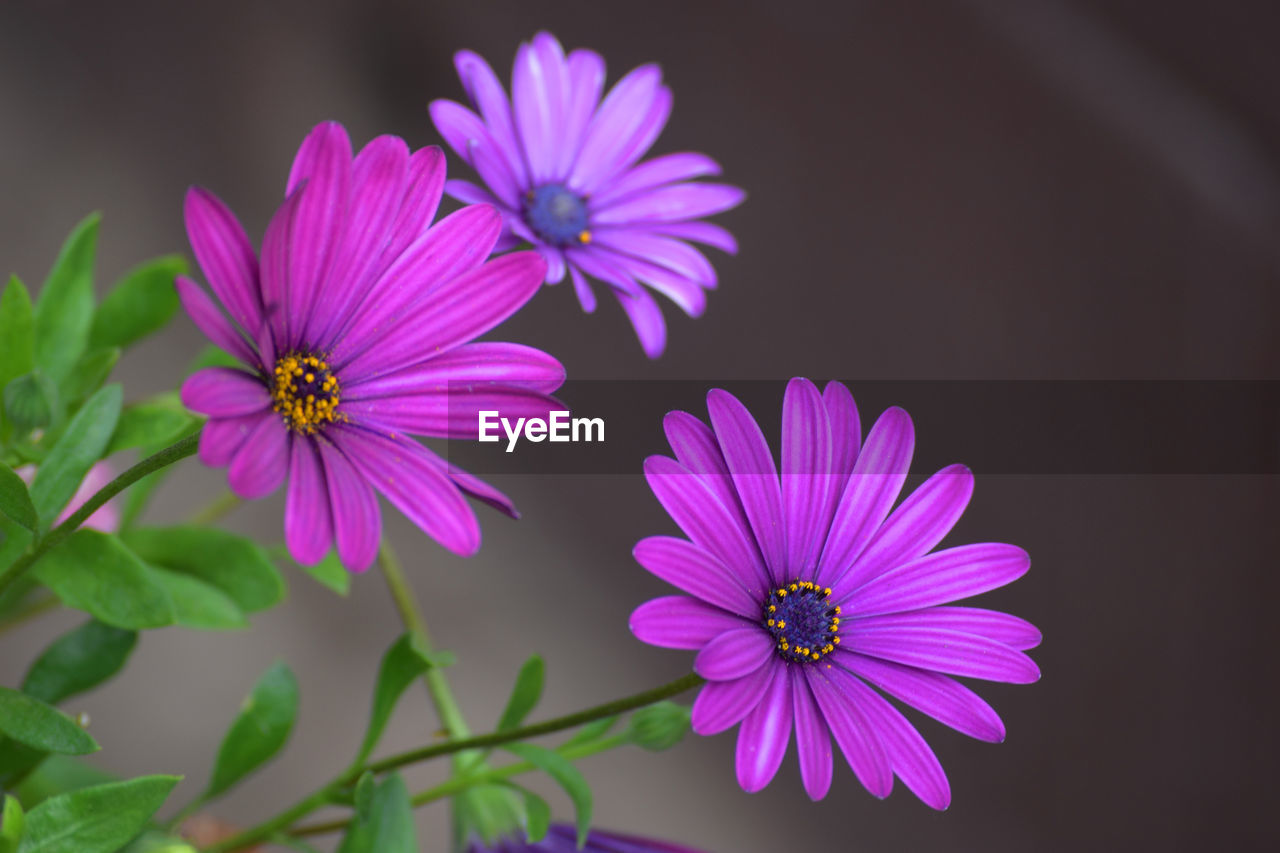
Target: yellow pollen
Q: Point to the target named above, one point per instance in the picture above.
(304, 392)
(584, 237)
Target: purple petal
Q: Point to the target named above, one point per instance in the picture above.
(482, 491)
(674, 255)
(706, 233)
(468, 193)
(685, 293)
(586, 82)
(205, 314)
(762, 740)
(414, 482)
(586, 296)
(603, 266)
(222, 437)
(910, 756)
(226, 256)
(470, 138)
(625, 110)
(555, 263)
(224, 392)
(807, 494)
(722, 704)
(308, 523)
(941, 697)
(453, 413)
(937, 578)
(695, 447)
(921, 522)
(813, 739)
(274, 274)
(427, 172)
(262, 462)
(486, 93)
(680, 622)
(705, 520)
(733, 654)
(667, 169)
(755, 476)
(356, 519)
(873, 486)
(854, 733)
(646, 319)
(940, 650)
(539, 90)
(1003, 628)
(846, 431)
(697, 572)
(478, 364)
(672, 203)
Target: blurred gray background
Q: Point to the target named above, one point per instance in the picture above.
(975, 189)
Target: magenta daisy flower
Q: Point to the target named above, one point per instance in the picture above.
(564, 839)
(809, 592)
(355, 331)
(561, 165)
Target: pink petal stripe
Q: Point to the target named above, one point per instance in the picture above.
(939, 650)
(853, 731)
(807, 494)
(940, 696)
(205, 314)
(667, 169)
(755, 476)
(695, 447)
(763, 738)
(427, 173)
(485, 91)
(688, 295)
(262, 462)
(680, 622)
(466, 367)
(705, 520)
(357, 521)
(735, 653)
(813, 738)
(873, 486)
(226, 256)
(222, 437)
(722, 704)
(696, 571)
(224, 392)
(308, 523)
(937, 578)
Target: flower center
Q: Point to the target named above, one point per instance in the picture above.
(305, 392)
(557, 215)
(802, 621)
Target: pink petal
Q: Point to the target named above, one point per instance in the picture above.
(680, 622)
(308, 524)
(762, 740)
(262, 462)
(696, 571)
(733, 654)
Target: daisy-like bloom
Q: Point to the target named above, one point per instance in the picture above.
(561, 165)
(810, 592)
(564, 839)
(355, 330)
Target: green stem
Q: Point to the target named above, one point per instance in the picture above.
(171, 454)
(216, 509)
(459, 784)
(328, 793)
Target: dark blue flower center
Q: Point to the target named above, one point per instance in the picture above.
(802, 621)
(556, 215)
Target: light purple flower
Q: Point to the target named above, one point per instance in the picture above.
(355, 330)
(561, 165)
(807, 591)
(564, 839)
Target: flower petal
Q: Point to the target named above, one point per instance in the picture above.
(308, 522)
(262, 462)
(467, 135)
(621, 116)
(813, 738)
(1009, 630)
(674, 255)
(696, 571)
(937, 578)
(667, 169)
(680, 622)
(475, 364)
(205, 314)
(763, 738)
(222, 437)
(357, 520)
(807, 495)
(274, 275)
(486, 93)
(853, 731)
(940, 650)
(226, 256)
(586, 82)
(722, 704)
(672, 203)
(539, 91)
(734, 654)
(755, 476)
(586, 296)
(695, 447)
(224, 392)
(454, 413)
(846, 431)
(482, 491)
(707, 233)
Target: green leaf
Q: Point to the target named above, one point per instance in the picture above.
(537, 816)
(14, 539)
(65, 307)
(80, 446)
(389, 825)
(565, 775)
(12, 822)
(15, 501)
(259, 730)
(155, 841)
(101, 819)
(237, 566)
(491, 812)
(142, 302)
(157, 421)
(31, 401)
(525, 694)
(78, 661)
(90, 372)
(96, 573)
(40, 726)
(212, 356)
(658, 727)
(328, 572)
(58, 774)
(362, 798)
(592, 731)
(17, 337)
(197, 604)
(401, 665)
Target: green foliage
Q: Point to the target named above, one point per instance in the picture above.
(212, 356)
(90, 372)
(328, 572)
(159, 421)
(15, 501)
(17, 338)
(238, 567)
(31, 401)
(12, 823)
(565, 775)
(658, 727)
(79, 447)
(537, 816)
(488, 811)
(37, 725)
(58, 774)
(65, 307)
(524, 695)
(590, 732)
(197, 604)
(95, 572)
(78, 661)
(259, 731)
(362, 797)
(401, 665)
(142, 302)
(101, 819)
(387, 825)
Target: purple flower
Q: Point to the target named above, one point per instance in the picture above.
(560, 164)
(564, 839)
(808, 592)
(355, 330)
